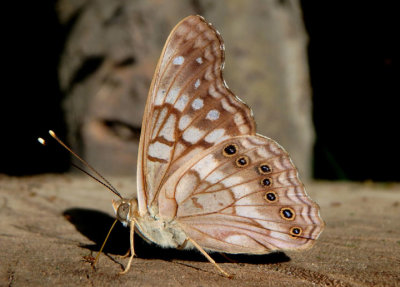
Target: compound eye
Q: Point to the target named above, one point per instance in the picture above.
(123, 211)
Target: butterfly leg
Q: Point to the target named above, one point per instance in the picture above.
(132, 234)
(127, 254)
(209, 257)
(183, 245)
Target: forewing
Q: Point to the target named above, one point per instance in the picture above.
(247, 201)
(189, 108)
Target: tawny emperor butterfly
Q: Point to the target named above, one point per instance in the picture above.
(205, 179)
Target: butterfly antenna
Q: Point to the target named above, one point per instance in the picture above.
(106, 183)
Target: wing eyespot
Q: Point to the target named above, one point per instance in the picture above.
(266, 181)
(271, 196)
(230, 150)
(295, 231)
(264, 168)
(287, 213)
(242, 161)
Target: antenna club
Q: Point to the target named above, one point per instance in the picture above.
(53, 134)
(41, 141)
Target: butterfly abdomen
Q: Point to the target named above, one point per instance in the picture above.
(167, 234)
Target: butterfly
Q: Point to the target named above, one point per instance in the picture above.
(205, 179)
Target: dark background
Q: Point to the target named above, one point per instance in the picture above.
(354, 75)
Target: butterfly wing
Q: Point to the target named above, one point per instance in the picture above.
(189, 108)
(242, 196)
(201, 164)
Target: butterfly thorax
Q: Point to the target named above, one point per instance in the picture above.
(157, 230)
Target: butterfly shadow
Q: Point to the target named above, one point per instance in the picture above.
(95, 225)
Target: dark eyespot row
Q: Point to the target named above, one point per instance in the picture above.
(264, 168)
(287, 213)
(266, 181)
(242, 161)
(230, 150)
(296, 231)
(271, 196)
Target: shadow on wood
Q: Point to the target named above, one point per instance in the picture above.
(95, 225)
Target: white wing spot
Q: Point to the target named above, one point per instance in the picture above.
(209, 74)
(215, 176)
(159, 150)
(172, 95)
(184, 122)
(199, 60)
(160, 120)
(185, 186)
(226, 106)
(159, 98)
(238, 119)
(213, 115)
(179, 148)
(199, 42)
(240, 122)
(197, 104)
(208, 54)
(238, 188)
(205, 166)
(213, 136)
(168, 130)
(232, 180)
(244, 129)
(178, 60)
(192, 135)
(181, 102)
(213, 92)
(197, 84)
(191, 35)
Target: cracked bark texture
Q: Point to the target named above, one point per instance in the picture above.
(52, 225)
(112, 48)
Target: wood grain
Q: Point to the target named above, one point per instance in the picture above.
(50, 223)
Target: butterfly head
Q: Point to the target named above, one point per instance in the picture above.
(125, 209)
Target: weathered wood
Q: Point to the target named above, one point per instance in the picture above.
(50, 223)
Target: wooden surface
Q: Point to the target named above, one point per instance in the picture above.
(49, 224)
